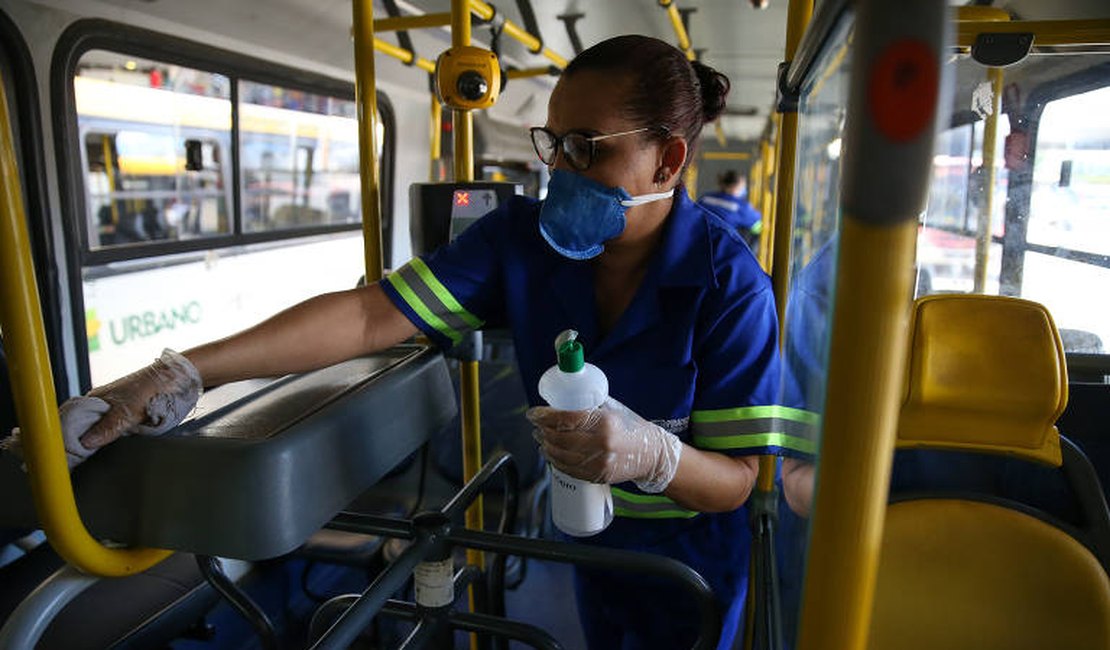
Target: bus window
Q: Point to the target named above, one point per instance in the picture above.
(137, 119)
(1047, 237)
(300, 160)
(946, 240)
(172, 252)
(1070, 214)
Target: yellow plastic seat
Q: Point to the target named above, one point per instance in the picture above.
(985, 374)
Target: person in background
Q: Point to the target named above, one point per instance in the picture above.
(668, 301)
(731, 204)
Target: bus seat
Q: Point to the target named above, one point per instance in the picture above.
(258, 468)
(966, 570)
(146, 610)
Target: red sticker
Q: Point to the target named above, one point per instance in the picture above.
(902, 92)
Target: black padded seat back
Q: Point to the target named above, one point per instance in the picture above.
(1085, 422)
(146, 610)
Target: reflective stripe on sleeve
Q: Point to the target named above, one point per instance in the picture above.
(432, 301)
(647, 506)
(756, 426)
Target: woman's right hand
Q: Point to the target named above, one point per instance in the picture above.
(150, 401)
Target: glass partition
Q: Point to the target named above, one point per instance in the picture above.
(816, 221)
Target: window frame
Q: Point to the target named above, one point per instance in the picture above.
(99, 34)
(24, 111)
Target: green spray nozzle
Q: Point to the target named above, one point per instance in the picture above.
(568, 352)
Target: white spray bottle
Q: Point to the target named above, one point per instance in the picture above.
(578, 507)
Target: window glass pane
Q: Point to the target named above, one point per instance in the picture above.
(1047, 237)
(1065, 287)
(1071, 176)
(958, 196)
(299, 158)
(156, 138)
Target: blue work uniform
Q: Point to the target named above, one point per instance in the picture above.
(735, 210)
(695, 351)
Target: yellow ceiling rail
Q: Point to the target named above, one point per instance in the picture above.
(403, 55)
(719, 131)
(528, 72)
(971, 13)
(518, 33)
(420, 21)
(726, 155)
(32, 381)
(1045, 32)
(679, 28)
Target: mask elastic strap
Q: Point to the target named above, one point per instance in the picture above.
(647, 198)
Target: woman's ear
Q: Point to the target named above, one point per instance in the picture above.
(671, 161)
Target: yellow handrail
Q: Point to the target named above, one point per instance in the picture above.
(1045, 32)
(726, 155)
(403, 55)
(33, 387)
(435, 136)
(517, 33)
(366, 98)
(990, 143)
(419, 21)
(528, 72)
(798, 16)
(972, 13)
(469, 403)
(896, 60)
(679, 28)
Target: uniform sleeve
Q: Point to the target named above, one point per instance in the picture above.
(737, 409)
(457, 288)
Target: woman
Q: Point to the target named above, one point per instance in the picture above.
(667, 300)
(730, 203)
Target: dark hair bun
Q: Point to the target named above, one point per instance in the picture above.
(714, 90)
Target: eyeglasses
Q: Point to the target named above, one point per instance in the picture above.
(578, 148)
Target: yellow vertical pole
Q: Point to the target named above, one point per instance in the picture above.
(767, 205)
(798, 17)
(463, 123)
(435, 137)
(468, 378)
(33, 388)
(986, 210)
(366, 98)
(775, 238)
(755, 184)
(887, 160)
(691, 179)
(110, 171)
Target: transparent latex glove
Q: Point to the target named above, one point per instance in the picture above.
(77, 415)
(608, 444)
(149, 401)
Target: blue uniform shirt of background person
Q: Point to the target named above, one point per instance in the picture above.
(735, 210)
(696, 352)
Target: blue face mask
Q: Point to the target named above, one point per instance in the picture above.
(580, 214)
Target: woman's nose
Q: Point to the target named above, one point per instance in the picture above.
(560, 161)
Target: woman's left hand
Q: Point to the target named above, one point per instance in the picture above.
(608, 444)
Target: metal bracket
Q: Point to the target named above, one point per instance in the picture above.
(570, 20)
(786, 100)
